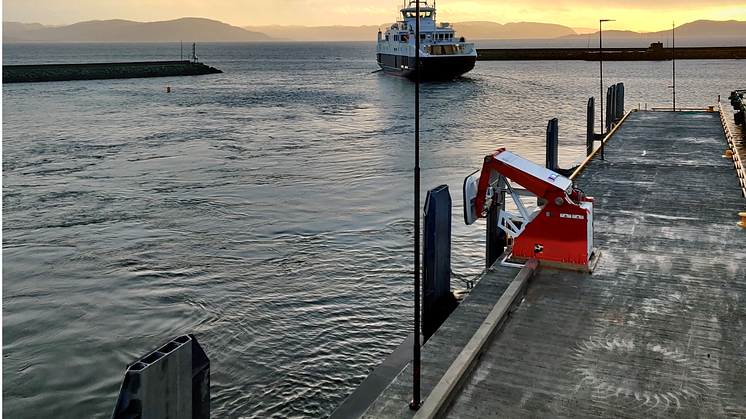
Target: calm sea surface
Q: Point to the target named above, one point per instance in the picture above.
(268, 210)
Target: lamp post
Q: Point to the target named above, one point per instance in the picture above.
(673, 63)
(601, 70)
(416, 399)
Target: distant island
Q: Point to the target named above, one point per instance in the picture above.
(187, 29)
(206, 30)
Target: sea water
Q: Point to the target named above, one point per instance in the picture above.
(267, 210)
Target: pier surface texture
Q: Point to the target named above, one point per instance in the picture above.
(658, 330)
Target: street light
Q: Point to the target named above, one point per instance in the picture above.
(416, 362)
(601, 70)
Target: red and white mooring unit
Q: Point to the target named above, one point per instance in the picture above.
(559, 231)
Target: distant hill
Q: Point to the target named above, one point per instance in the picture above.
(206, 30)
(584, 31)
(696, 29)
(470, 30)
(187, 29)
(710, 29)
(513, 30)
(320, 33)
(20, 27)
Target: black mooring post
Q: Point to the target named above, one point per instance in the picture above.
(610, 107)
(169, 382)
(436, 260)
(552, 146)
(619, 102)
(495, 236)
(606, 112)
(590, 135)
(416, 399)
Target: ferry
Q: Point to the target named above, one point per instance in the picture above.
(442, 55)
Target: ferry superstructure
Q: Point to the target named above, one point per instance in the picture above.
(443, 56)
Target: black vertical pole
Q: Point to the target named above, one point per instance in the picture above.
(590, 135)
(416, 399)
(601, 73)
(601, 69)
(673, 61)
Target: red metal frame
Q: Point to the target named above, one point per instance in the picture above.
(563, 229)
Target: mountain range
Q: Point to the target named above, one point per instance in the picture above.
(191, 29)
(696, 29)
(206, 30)
(470, 30)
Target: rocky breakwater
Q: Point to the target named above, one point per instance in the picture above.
(62, 72)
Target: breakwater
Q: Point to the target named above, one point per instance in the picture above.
(63, 72)
(655, 52)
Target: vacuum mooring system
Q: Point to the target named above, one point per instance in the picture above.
(559, 230)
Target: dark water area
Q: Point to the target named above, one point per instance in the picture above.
(267, 210)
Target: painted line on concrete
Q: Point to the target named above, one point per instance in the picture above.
(444, 392)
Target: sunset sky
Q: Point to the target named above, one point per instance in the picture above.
(637, 15)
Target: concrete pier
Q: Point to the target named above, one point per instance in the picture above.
(64, 72)
(655, 52)
(657, 330)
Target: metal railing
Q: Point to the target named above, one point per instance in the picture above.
(737, 158)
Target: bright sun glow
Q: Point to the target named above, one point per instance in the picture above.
(635, 15)
(640, 19)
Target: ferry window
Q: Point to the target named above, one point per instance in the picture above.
(412, 14)
(396, 37)
(387, 37)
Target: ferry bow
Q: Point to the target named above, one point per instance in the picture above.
(443, 56)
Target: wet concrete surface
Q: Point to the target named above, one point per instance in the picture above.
(659, 329)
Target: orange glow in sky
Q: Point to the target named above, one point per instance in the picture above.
(636, 15)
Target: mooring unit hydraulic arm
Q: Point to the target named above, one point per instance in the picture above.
(560, 230)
